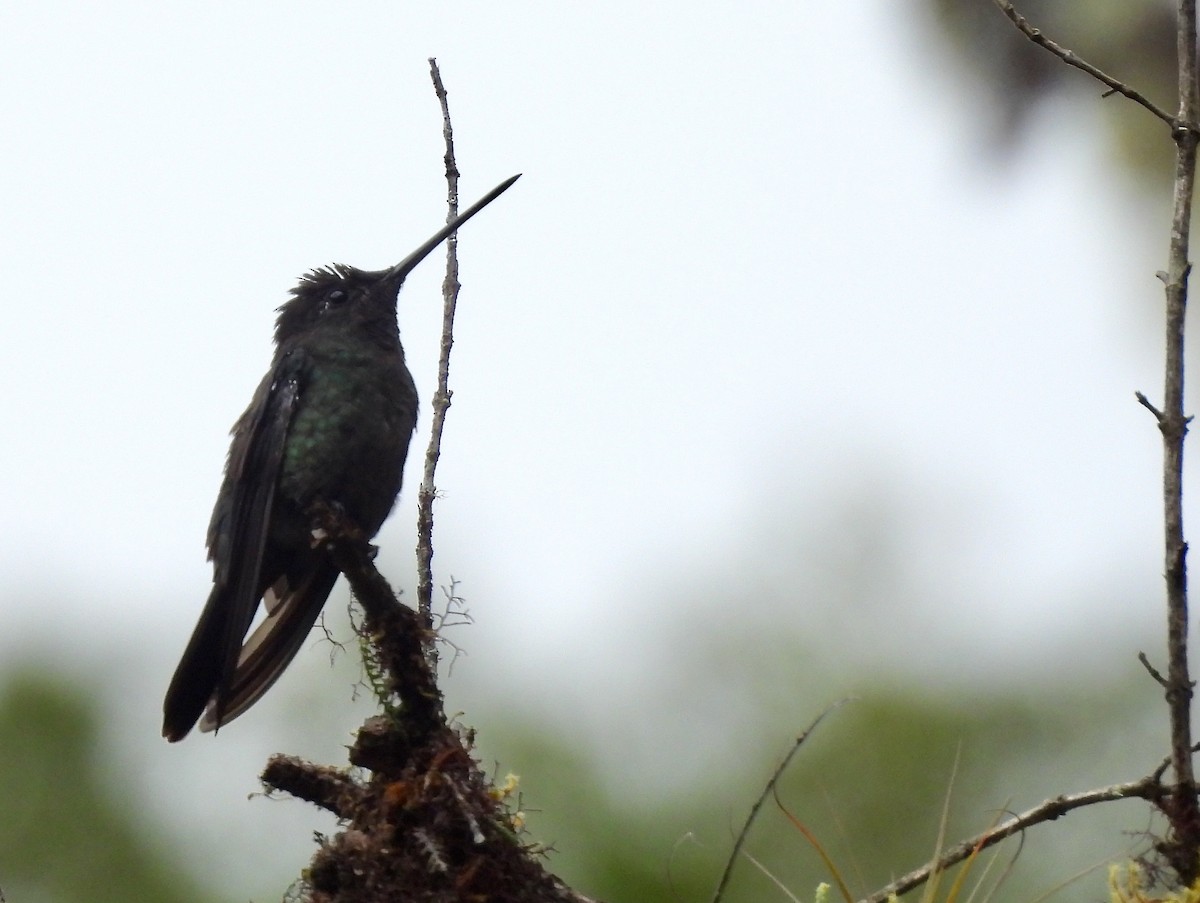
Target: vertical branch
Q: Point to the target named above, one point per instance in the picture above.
(441, 397)
(1184, 846)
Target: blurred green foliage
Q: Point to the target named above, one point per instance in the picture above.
(67, 833)
(869, 783)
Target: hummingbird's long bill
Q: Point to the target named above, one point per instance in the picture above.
(402, 269)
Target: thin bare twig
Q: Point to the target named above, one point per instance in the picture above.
(1182, 849)
(1147, 788)
(1069, 57)
(441, 397)
(1154, 672)
(762, 798)
(1145, 403)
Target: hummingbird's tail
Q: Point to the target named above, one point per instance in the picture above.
(196, 689)
(291, 613)
(199, 670)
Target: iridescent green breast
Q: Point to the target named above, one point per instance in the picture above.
(348, 439)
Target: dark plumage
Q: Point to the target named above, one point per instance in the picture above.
(330, 423)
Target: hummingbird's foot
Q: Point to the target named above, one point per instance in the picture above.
(331, 523)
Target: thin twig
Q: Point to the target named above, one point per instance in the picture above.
(762, 798)
(1145, 403)
(1069, 57)
(1147, 788)
(1183, 847)
(441, 397)
(1154, 672)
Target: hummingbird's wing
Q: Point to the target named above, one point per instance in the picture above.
(238, 542)
(238, 545)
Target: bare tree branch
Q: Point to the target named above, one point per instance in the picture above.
(441, 396)
(1069, 57)
(1148, 788)
(1182, 848)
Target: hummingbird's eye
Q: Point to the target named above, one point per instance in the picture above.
(337, 296)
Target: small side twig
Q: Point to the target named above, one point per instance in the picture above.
(322, 785)
(1071, 59)
(441, 396)
(1146, 403)
(1147, 788)
(1153, 672)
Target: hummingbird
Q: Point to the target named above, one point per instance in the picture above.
(329, 425)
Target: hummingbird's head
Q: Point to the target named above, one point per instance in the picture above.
(341, 297)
